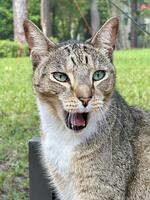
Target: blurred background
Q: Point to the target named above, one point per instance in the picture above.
(61, 20)
(78, 20)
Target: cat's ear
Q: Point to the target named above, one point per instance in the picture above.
(39, 44)
(105, 37)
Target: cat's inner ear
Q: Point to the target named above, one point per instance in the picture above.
(39, 44)
(105, 37)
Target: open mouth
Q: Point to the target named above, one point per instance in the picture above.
(76, 121)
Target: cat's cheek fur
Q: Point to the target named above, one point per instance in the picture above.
(48, 88)
(106, 88)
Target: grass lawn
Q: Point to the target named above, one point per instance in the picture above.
(19, 120)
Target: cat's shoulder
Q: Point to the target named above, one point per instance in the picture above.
(142, 119)
(142, 133)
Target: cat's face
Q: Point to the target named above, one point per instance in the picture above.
(75, 79)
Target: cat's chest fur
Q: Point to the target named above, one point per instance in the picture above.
(57, 152)
(57, 144)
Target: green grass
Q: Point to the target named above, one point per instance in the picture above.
(133, 76)
(18, 123)
(18, 113)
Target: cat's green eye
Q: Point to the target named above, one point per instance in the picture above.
(59, 76)
(98, 75)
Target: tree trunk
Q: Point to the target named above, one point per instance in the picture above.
(20, 14)
(95, 17)
(46, 17)
(133, 27)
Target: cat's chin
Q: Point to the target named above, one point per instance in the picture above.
(76, 121)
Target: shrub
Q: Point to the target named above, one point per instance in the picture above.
(12, 49)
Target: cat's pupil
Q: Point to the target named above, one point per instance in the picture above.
(98, 75)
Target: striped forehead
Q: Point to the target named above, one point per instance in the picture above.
(77, 56)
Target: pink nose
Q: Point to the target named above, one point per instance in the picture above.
(85, 101)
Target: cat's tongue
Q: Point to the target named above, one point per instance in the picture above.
(77, 119)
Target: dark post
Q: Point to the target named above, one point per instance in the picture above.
(40, 188)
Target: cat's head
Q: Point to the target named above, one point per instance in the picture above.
(74, 78)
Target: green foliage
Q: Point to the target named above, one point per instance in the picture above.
(103, 10)
(19, 118)
(67, 22)
(34, 11)
(6, 19)
(12, 49)
(145, 12)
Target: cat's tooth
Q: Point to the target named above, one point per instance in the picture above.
(84, 125)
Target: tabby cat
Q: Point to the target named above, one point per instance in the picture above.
(93, 145)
